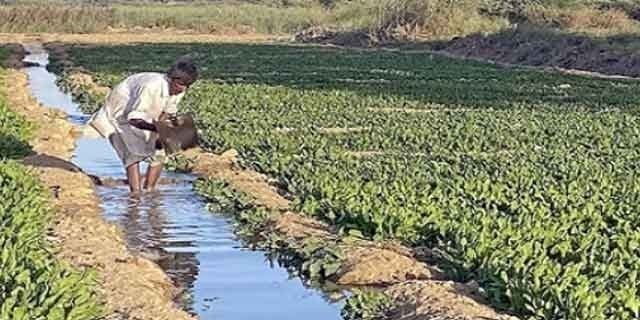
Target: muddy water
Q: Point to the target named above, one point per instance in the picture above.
(197, 249)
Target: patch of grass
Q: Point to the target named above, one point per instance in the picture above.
(15, 130)
(367, 305)
(221, 18)
(588, 20)
(227, 17)
(48, 18)
(4, 53)
(179, 163)
(33, 285)
(418, 20)
(221, 196)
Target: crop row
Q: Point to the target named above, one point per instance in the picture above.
(385, 78)
(524, 181)
(33, 285)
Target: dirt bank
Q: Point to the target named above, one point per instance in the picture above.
(540, 49)
(526, 47)
(16, 54)
(132, 287)
(143, 37)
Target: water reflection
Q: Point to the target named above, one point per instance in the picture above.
(150, 230)
(43, 86)
(200, 253)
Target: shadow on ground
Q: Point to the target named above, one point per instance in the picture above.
(614, 55)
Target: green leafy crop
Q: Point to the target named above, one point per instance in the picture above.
(367, 305)
(15, 131)
(524, 181)
(33, 285)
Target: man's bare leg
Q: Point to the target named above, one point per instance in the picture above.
(133, 176)
(153, 174)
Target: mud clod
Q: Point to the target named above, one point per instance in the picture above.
(440, 300)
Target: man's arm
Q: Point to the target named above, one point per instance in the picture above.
(146, 107)
(143, 125)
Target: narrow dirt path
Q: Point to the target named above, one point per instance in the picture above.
(132, 287)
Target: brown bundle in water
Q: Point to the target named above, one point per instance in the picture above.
(177, 133)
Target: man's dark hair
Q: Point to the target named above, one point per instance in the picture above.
(184, 70)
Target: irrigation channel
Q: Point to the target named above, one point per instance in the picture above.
(222, 279)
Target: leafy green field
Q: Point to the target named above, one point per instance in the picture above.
(33, 285)
(14, 129)
(524, 181)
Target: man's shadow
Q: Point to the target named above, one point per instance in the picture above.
(42, 160)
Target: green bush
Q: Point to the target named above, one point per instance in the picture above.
(33, 285)
(14, 132)
(14, 129)
(367, 305)
(221, 196)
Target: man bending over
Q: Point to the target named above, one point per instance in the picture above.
(129, 115)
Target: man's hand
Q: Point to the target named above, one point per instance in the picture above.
(171, 117)
(143, 125)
